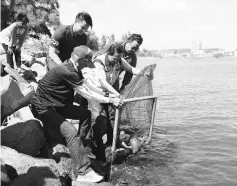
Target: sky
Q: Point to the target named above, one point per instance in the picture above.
(163, 24)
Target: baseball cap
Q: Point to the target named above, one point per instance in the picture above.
(83, 52)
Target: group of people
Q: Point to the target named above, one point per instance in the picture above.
(74, 71)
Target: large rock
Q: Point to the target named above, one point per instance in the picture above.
(26, 137)
(15, 94)
(79, 183)
(60, 153)
(33, 171)
(5, 180)
(39, 175)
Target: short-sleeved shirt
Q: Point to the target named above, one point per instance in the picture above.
(56, 89)
(64, 40)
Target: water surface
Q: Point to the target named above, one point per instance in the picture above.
(195, 135)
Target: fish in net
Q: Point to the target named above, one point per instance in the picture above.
(136, 116)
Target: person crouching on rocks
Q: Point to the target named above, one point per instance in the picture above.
(12, 39)
(52, 103)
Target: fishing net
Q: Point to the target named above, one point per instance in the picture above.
(137, 115)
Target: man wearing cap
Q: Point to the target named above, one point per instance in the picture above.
(53, 103)
(68, 37)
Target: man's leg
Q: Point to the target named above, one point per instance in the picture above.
(57, 127)
(9, 57)
(18, 58)
(110, 114)
(78, 113)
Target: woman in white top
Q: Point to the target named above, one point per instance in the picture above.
(12, 39)
(109, 65)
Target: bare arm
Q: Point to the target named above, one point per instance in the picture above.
(127, 67)
(53, 54)
(90, 85)
(91, 95)
(23, 37)
(102, 78)
(13, 36)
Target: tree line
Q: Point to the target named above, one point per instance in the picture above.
(44, 15)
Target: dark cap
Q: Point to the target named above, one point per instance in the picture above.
(82, 52)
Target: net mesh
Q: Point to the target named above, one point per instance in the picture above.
(137, 115)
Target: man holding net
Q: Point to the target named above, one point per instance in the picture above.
(109, 66)
(53, 103)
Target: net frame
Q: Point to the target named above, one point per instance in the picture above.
(117, 118)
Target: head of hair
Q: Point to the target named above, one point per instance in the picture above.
(115, 47)
(84, 16)
(136, 37)
(22, 17)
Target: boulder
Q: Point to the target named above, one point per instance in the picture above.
(59, 153)
(15, 94)
(79, 183)
(5, 180)
(39, 175)
(26, 137)
(33, 171)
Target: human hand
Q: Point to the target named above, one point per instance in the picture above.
(114, 95)
(116, 102)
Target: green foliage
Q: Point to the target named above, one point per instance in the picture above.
(93, 41)
(37, 47)
(103, 42)
(38, 12)
(111, 38)
(126, 36)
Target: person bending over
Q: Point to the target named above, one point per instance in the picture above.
(12, 39)
(52, 103)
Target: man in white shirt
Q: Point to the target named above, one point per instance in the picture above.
(109, 65)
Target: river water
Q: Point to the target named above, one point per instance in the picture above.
(195, 135)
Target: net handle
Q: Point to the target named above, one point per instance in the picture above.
(117, 115)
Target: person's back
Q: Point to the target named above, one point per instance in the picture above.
(56, 88)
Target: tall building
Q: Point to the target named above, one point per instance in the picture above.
(196, 47)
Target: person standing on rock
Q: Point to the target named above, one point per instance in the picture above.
(53, 103)
(12, 39)
(66, 38)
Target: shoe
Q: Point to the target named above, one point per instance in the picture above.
(91, 176)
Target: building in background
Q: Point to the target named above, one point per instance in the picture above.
(196, 47)
(235, 52)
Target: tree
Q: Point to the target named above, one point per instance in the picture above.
(93, 41)
(126, 36)
(38, 12)
(103, 41)
(111, 38)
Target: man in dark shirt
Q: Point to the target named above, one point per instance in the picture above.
(53, 103)
(130, 47)
(68, 37)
